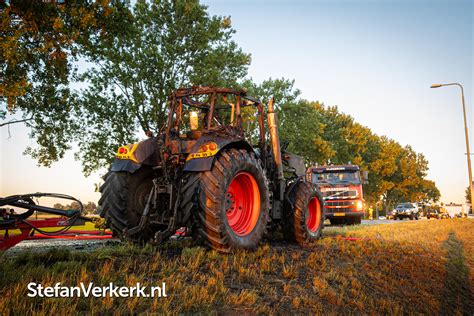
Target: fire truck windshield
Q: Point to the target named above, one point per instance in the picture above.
(337, 177)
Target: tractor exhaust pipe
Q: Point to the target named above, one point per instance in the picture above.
(276, 151)
(273, 125)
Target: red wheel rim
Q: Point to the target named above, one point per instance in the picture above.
(243, 200)
(313, 215)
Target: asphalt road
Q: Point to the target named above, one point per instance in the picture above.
(47, 244)
(381, 221)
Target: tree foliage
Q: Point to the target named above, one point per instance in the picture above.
(468, 195)
(39, 45)
(322, 134)
(168, 44)
(131, 58)
(137, 56)
(89, 207)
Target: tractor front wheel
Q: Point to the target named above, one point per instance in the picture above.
(306, 220)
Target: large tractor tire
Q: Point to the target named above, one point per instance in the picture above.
(306, 221)
(233, 203)
(124, 196)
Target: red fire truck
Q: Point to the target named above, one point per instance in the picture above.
(341, 189)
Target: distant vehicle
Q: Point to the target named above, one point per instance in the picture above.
(341, 189)
(433, 214)
(445, 216)
(406, 210)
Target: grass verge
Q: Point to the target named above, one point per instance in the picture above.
(411, 267)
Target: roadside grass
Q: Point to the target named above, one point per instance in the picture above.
(414, 267)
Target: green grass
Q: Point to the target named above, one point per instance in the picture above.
(412, 267)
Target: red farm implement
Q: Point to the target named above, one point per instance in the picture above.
(16, 227)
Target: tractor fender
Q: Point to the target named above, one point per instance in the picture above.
(124, 165)
(132, 157)
(202, 160)
(291, 187)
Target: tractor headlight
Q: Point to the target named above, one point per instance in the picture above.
(359, 205)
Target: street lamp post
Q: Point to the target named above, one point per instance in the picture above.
(465, 131)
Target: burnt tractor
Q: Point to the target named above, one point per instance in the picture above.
(208, 176)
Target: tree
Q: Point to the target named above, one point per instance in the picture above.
(322, 133)
(299, 121)
(59, 206)
(301, 125)
(168, 44)
(39, 45)
(429, 192)
(282, 90)
(90, 208)
(137, 58)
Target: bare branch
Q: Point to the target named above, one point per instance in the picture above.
(14, 122)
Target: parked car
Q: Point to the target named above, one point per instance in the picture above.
(445, 216)
(406, 210)
(433, 214)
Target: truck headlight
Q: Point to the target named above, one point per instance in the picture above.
(359, 205)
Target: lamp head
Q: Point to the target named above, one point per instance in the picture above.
(436, 85)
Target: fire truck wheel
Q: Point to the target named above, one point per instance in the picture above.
(306, 221)
(335, 221)
(233, 202)
(356, 221)
(123, 199)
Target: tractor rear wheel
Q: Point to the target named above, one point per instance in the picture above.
(306, 220)
(124, 196)
(233, 202)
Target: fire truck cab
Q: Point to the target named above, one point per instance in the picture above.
(341, 189)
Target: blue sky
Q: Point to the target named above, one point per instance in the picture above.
(374, 59)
